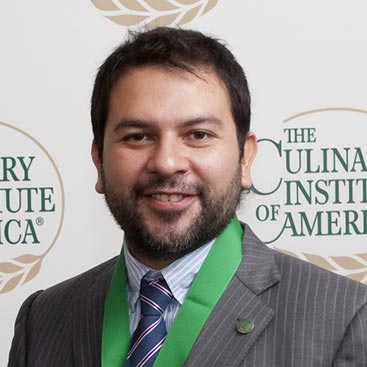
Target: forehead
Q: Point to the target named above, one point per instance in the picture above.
(166, 93)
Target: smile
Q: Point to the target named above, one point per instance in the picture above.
(168, 201)
(167, 197)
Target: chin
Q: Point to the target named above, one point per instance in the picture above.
(163, 221)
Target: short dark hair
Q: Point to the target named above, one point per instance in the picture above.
(172, 48)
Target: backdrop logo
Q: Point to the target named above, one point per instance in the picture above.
(318, 202)
(31, 206)
(153, 13)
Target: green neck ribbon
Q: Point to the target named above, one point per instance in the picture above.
(209, 284)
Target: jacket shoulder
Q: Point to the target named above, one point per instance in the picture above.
(46, 321)
(301, 276)
(322, 279)
(78, 285)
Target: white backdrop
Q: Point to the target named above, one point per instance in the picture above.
(300, 57)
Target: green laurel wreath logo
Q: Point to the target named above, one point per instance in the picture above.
(153, 13)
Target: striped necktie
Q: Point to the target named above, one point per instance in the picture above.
(151, 332)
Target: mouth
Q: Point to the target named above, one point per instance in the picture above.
(169, 200)
(169, 197)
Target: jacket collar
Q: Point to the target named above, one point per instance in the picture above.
(258, 270)
(219, 343)
(257, 273)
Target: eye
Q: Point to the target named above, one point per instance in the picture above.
(135, 137)
(199, 135)
(199, 138)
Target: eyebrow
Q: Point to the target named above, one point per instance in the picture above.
(204, 119)
(137, 123)
(123, 124)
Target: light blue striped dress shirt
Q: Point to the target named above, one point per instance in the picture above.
(179, 276)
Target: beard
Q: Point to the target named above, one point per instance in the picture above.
(215, 213)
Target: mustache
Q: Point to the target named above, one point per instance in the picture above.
(176, 183)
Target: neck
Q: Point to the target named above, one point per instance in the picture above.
(151, 262)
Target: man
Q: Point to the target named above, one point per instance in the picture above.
(192, 286)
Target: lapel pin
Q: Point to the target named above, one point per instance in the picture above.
(245, 326)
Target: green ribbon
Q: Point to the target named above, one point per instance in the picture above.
(211, 281)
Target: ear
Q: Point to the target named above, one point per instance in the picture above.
(249, 153)
(97, 162)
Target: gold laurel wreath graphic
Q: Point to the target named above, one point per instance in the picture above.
(353, 266)
(153, 13)
(19, 270)
(24, 268)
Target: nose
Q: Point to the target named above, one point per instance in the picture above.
(168, 157)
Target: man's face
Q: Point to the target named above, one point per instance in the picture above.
(171, 169)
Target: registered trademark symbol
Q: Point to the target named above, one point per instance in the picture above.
(39, 221)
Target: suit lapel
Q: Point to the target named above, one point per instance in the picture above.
(219, 343)
(88, 320)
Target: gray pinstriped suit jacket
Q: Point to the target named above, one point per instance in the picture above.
(303, 316)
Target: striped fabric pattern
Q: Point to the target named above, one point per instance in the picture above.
(178, 275)
(303, 316)
(151, 332)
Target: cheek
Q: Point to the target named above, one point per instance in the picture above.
(120, 171)
(121, 159)
(218, 168)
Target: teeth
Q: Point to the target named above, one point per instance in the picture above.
(175, 197)
(164, 197)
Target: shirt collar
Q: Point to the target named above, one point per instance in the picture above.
(179, 275)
